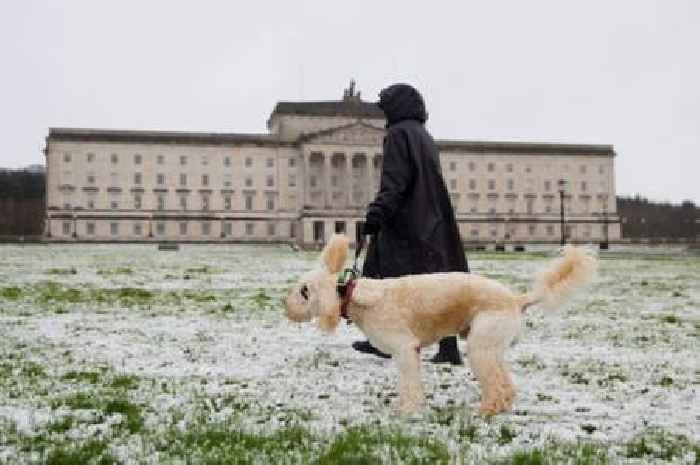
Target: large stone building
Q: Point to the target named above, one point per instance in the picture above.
(312, 174)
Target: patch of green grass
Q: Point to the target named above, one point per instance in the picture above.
(115, 271)
(559, 452)
(198, 269)
(130, 411)
(90, 452)
(659, 444)
(11, 293)
(62, 271)
(90, 377)
(125, 382)
(372, 445)
(61, 425)
(505, 435)
(671, 319)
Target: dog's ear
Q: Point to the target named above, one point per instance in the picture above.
(367, 294)
(335, 253)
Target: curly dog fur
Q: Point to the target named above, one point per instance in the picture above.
(402, 315)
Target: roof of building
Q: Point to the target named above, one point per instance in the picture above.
(523, 147)
(352, 108)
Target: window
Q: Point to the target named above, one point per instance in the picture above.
(206, 228)
(183, 202)
(270, 228)
(312, 181)
(490, 167)
(138, 229)
(138, 178)
(511, 184)
(160, 228)
(161, 202)
(532, 229)
(248, 202)
(205, 180)
(250, 229)
(114, 158)
(183, 228)
(583, 186)
(183, 160)
(248, 182)
(472, 184)
(493, 233)
(270, 203)
(334, 181)
(66, 228)
(548, 209)
(270, 162)
(547, 185)
(160, 159)
(292, 180)
(453, 184)
(550, 230)
(453, 166)
(528, 169)
(292, 162)
(270, 181)
(492, 211)
(227, 180)
(91, 179)
(114, 228)
(492, 184)
(160, 179)
(228, 229)
(292, 229)
(66, 206)
(66, 157)
(91, 204)
(205, 160)
(114, 179)
(509, 167)
(601, 169)
(227, 202)
(227, 161)
(248, 162)
(137, 202)
(530, 205)
(90, 159)
(474, 232)
(114, 205)
(183, 179)
(472, 166)
(90, 229)
(205, 202)
(137, 159)
(582, 169)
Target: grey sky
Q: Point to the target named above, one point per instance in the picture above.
(620, 72)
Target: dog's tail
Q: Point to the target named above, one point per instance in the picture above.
(569, 272)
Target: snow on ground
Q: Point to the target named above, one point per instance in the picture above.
(204, 326)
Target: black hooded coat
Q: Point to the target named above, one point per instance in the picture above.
(418, 231)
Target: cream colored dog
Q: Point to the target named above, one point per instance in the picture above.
(402, 315)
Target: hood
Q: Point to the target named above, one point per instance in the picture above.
(400, 102)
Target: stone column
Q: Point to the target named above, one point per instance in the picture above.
(348, 180)
(328, 194)
(370, 178)
(305, 179)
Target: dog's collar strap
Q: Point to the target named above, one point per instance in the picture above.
(346, 284)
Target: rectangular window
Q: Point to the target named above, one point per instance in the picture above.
(453, 184)
(248, 202)
(292, 180)
(490, 167)
(160, 228)
(137, 159)
(583, 186)
(453, 166)
(91, 179)
(90, 229)
(183, 160)
(547, 185)
(270, 182)
(183, 179)
(511, 184)
(205, 160)
(227, 203)
(270, 203)
(66, 228)
(312, 181)
(550, 230)
(292, 230)
(248, 182)
(472, 184)
(532, 229)
(270, 229)
(270, 162)
(137, 202)
(292, 162)
(160, 159)
(90, 157)
(582, 169)
(334, 181)
(227, 161)
(138, 178)
(161, 202)
(228, 229)
(509, 167)
(91, 204)
(205, 202)
(492, 184)
(248, 162)
(249, 229)
(472, 166)
(138, 229)
(474, 232)
(114, 158)
(160, 179)
(205, 180)
(114, 205)
(227, 180)
(206, 228)
(183, 228)
(183, 202)
(114, 228)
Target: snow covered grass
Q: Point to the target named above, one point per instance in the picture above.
(124, 354)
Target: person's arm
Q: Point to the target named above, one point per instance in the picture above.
(396, 179)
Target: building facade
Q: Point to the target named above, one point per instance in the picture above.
(312, 174)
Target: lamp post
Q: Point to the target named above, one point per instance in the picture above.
(75, 223)
(605, 244)
(562, 190)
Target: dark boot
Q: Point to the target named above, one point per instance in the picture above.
(448, 352)
(367, 348)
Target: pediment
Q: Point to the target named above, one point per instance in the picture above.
(352, 134)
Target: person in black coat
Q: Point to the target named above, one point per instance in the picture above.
(411, 220)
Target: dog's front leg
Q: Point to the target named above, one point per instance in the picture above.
(411, 396)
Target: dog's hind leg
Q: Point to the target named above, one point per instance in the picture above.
(411, 396)
(490, 334)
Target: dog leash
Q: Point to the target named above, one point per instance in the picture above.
(346, 281)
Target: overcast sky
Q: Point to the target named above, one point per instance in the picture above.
(625, 73)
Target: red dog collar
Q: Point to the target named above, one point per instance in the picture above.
(347, 295)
